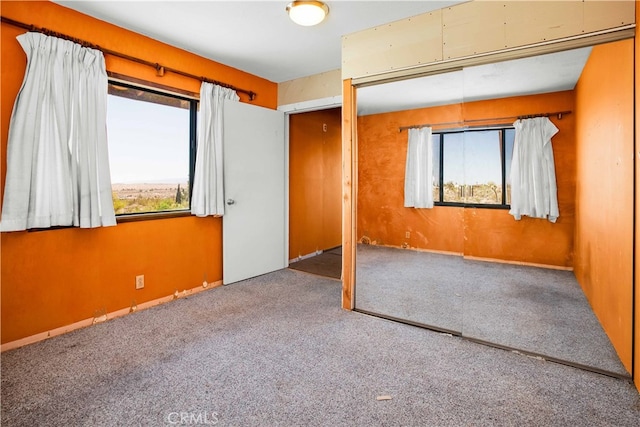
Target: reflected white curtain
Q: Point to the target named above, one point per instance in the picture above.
(418, 179)
(533, 174)
(57, 158)
(208, 186)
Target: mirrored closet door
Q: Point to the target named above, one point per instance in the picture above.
(466, 266)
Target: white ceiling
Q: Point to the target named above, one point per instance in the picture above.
(258, 37)
(254, 36)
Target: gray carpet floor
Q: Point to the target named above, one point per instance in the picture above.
(277, 350)
(416, 286)
(328, 264)
(536, 310)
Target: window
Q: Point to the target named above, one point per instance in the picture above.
(151, 149)
(472, 167)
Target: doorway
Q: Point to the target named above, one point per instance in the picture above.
(315, 174)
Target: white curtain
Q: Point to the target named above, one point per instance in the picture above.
(57, 159)
(207, 194)
(418, 179)
(533, 174)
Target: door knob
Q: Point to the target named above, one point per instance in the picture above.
(230, 201)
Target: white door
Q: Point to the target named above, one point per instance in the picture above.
(253, 225)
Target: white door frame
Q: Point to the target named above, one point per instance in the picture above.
(288, 109)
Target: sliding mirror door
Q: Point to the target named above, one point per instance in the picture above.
(398, 172)
(466, 265)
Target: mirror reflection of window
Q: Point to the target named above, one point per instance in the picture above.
(435, 140)
(475, 166)
(453, 167)
(483, 167)
(509, 138)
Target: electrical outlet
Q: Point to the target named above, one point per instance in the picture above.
(140, 281)
(407, 235)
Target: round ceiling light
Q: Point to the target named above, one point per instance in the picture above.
(307, 13)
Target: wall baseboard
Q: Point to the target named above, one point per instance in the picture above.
(526, 264)
(301, 257)
(107, 316)
(431, 251)
(484, 259)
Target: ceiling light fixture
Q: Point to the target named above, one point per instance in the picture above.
(307, 13)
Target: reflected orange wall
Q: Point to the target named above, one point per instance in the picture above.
(315, 166)
(57, 277)
(482, 233)
(604, 194)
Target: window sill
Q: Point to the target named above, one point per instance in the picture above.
(471, 205)
(147, 216)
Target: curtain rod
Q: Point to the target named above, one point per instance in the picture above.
(464, 122)
(160, 69)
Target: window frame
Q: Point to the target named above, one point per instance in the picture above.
(193, 123)
(502, 129)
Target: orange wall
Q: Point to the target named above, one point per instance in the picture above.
(636, 352)
(604, 194)
(57, 277)
(315, 166)
(483, 233)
